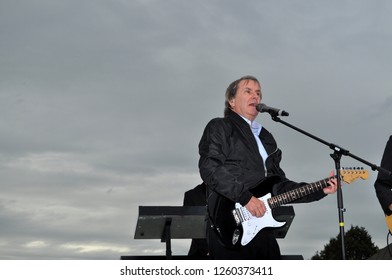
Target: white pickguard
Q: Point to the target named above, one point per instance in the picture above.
(252, 225)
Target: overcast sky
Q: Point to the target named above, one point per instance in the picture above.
(103, 103)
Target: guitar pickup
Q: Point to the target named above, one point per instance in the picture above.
(236, 216)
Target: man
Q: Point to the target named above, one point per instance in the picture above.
(237, 154)
(383, 183)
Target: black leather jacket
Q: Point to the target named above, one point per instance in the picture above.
(230, 163)
(383, 183)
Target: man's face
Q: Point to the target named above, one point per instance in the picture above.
(247, 97)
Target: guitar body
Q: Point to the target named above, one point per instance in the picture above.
(252, 225)
(388, 220)
(233, 232)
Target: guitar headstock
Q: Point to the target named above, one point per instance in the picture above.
(349, 175)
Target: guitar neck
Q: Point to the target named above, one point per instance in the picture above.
(292, 195)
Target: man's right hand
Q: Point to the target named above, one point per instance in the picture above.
(256, 207)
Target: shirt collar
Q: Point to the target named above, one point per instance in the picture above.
(255, 126)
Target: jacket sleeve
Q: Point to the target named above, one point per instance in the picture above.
(215, 168)
(383, 183)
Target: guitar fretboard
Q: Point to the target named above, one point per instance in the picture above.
(292, 195)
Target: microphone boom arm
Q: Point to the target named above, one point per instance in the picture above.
(338, 152)
(335, 148)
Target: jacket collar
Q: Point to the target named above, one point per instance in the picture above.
(237, 118)
(245, 129)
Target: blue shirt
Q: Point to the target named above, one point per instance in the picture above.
(256, 129)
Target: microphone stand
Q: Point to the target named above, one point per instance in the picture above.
(337, 155)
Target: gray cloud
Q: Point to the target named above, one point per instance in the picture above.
(102, 105)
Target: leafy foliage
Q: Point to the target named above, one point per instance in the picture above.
(358, 246)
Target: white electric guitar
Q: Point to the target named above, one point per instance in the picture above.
(244, 226)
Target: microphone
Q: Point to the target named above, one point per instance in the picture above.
(272, 111)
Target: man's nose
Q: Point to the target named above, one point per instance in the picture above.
(255, 94)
